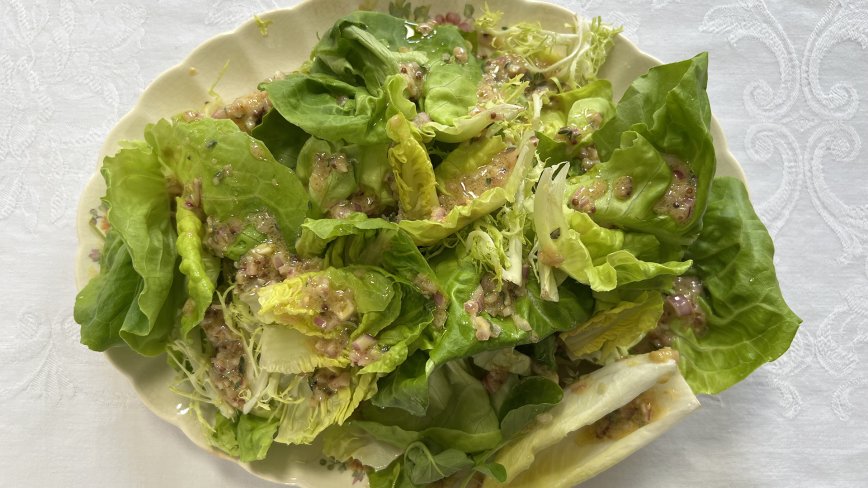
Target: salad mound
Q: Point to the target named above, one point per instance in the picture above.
(441, 248)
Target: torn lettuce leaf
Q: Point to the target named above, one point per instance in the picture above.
(139, 211)
(401, 338)
(329, 109)
(661, 123)
(200, 267)
(468, 126)
(374, 242)
(283, 140)
(363, 48)
(611, 332)
(406, 388)
(584, 109)
(335, 173)
(430, 231)
(536, 318)
(569, 120)
(248, 437)
(414, 174)
(459, 414)
(297, 301)
(236, 175)
(572, 242)
(449, 88)
(102, 306)
(466, 159)
(526, 400)
(424, 466)
(569, 59)
(288, 351)
(748, 322)
(307, 414)
(328, 172)
(351, 442)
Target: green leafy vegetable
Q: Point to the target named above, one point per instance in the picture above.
(248, 437)
(363, 48)
(329, 108)
(527, 399)
(283, 139)
(361, 290)
(459, 414)
(425, 467)
(328, 173)
(748, 321)
(407, 387)
(430, 231)
(196, 265)
(236, 175)
(309, 414)
(352, 442)
(536, 320)
(610, 333)
(139, 211)
(584, 250)
(102, 306)
(439, 254)
(663, 113)
(414, 174)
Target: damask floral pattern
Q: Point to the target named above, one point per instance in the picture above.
(792, 109)
(809, 127)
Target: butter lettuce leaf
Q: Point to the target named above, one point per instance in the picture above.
(585, 109)
(459, 414)
(199, 267)
(372, 242)
(139, 260)
(329, 108)
(286, 350)
(348, 442)
(591, 254)
(611, 332)
(429, 231)
(222, 173)
(102, 306)
(364, 48)
(449, 88)
(236, 175)
(400, 339)
(526, 400)
(282, 138)
(364, 289)
(248, 437)
(748, 321)
(406, 387)
(664, 114)
(308, 414)
(414, 173)
(537, 318)
(328, 173)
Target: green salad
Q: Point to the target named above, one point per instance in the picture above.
(441, 249)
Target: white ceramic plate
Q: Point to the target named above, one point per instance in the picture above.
(249, 57)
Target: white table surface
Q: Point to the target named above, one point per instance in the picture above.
(787, 81)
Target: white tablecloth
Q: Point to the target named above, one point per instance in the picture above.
(787, 83)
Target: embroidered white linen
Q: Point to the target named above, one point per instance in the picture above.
(786, 83)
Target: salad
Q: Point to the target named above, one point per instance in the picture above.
(443, 251)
